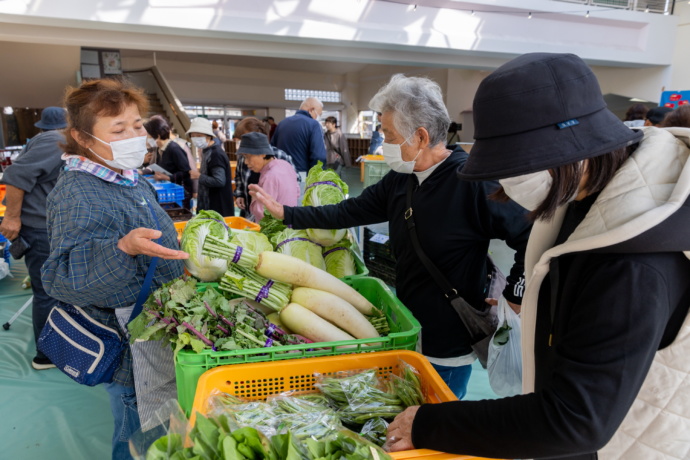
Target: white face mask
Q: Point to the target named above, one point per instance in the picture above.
(200, 142)
(127, 153)
(392, 154)
(151, 143)
(530, 190)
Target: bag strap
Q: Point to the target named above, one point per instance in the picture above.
(146, 287)
(448, 290)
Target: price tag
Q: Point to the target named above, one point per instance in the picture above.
(379, 238)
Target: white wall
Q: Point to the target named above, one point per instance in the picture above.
(680, 74)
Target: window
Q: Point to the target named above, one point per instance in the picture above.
(302, 94)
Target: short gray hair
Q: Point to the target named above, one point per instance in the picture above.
(416, 102)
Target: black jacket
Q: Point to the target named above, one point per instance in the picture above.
(455, 221)
(602, 313)
(215, 182)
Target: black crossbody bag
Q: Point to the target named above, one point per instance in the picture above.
(481, 324)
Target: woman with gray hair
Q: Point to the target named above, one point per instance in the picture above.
(454, 221)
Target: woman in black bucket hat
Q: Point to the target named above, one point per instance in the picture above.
(605, 327)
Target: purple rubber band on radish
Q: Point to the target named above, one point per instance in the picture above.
(238, 254)
(263, 293)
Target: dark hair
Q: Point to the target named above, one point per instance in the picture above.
(679, 117)
(94, 99)
(636, 112)
(566, 181)
(157, 127)
(378, 127)
(249, 125)
(333, 120)
(269, 119)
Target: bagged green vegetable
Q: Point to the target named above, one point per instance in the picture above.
(324, 187)
(203, 267)
(296, 243)
(339, 259)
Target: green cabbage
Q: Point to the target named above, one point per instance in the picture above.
(193, 237)
(329, 189)
(252, 241)
(339, 259)
(300, 246)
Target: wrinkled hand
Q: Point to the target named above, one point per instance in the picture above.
(10, 226)
(194, 174)
(516, 308)
(399, 435)
(239, 202)
(160, 176)
(138, 241)
(276, 209)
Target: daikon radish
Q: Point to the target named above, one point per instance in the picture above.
(288, 269)
(310, 325)
(336, 310)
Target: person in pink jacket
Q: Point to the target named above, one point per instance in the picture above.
(277, 176)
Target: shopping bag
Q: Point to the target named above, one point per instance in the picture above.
(154, 373)
(504, 364)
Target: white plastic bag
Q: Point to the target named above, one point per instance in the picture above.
(505, 356)
(4, 268)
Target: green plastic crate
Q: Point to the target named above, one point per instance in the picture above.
(374, 171)
(403, 336)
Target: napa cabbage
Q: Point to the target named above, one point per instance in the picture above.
(203, 267)
(296, 243)
(324, 187)
(339, 259)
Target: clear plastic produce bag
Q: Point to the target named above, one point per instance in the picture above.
(505, 353)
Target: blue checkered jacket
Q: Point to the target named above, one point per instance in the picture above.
(86, 217)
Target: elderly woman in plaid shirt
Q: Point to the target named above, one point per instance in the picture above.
(101, 224)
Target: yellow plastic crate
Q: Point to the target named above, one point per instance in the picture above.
(257, 381)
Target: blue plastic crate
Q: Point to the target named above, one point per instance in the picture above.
(4, 249)
(169, 192)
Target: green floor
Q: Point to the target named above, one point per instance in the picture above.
(45, 415)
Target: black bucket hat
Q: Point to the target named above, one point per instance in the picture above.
(537, 112)
(255, 144)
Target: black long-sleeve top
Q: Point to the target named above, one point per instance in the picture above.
(455, 222)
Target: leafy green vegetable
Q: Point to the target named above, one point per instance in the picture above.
(296, 243)
(247, 283)
(203, 224)
(163, 448)
(270, 225)
(339, 259)
(324, 187)
(502, 334)
(190, 319)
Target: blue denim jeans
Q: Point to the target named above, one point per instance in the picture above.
(123, 404)
(34, 258)
(455, 377)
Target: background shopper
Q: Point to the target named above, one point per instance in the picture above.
(28, 182)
